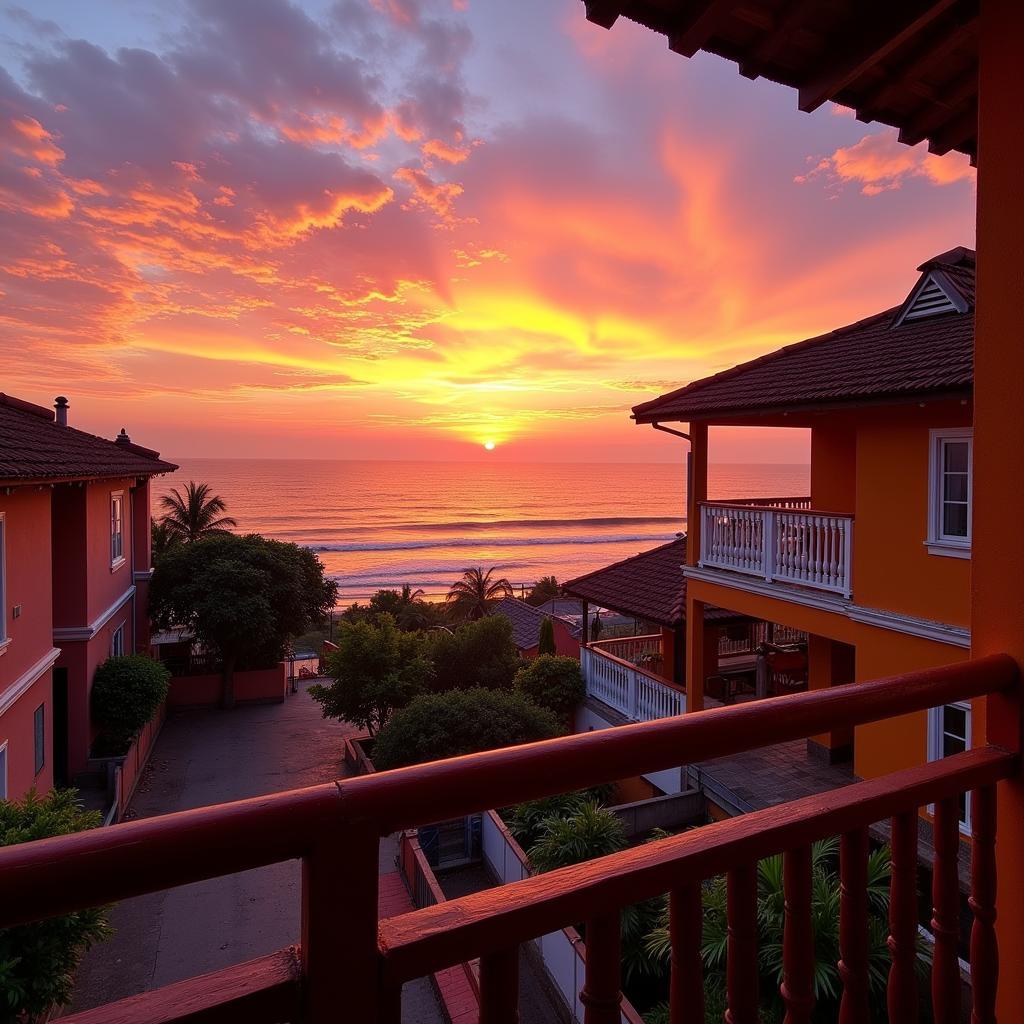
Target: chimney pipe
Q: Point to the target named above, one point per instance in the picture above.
(61, 405)
(123, 437)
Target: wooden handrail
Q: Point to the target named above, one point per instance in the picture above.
(711, 503)
(428, 940)
(68, 873)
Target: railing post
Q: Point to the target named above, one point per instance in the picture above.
(602, 992)
(686, 931)
(340, 962)
(741, 965)
(902, 987)
(853, 926)
(946, 913)
(797, 987)
(982, 901)
(768, 541)
(499, 987)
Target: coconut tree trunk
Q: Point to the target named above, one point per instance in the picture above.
(227, 689)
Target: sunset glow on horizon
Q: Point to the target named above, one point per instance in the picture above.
(423, 229)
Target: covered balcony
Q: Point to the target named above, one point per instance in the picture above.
(777, 540)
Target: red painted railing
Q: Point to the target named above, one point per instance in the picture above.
(350, 966)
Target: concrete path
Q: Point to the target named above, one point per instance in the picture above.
(207, 757)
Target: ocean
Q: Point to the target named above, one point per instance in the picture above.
(382, 524)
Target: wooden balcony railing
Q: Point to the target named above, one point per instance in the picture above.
(350, 966)
(790, 545)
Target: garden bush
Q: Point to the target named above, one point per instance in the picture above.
(440, 725)
(554, 682)
(38, 961)
(126, 691)
(478, 653)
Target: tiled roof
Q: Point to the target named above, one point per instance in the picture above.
(33, 446)
(870, 360)
(526, 621)
(648, 586)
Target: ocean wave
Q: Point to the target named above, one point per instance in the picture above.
(495, 542)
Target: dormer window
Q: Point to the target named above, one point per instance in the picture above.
(949, 506)
(934, 295)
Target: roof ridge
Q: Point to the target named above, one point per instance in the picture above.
(623, 561)
(30, 407)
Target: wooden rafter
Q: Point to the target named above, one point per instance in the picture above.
(603, 12)
(881, 35)
(957, 132)
(931, 116)
(692, 28)
(769, 47)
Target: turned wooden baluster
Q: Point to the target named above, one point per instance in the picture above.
(686, 931)
(741, 967)
(499, 987)
(946, 913)
(902, 989)
(798, 937)
(853, 927)
(602, 992)
(984, 949)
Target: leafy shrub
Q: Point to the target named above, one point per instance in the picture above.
(525, 820)
(589, 831)
(479, 653)
(440, 725)
(554, 682)
(38, 961)
(377, 669)
(126, 691)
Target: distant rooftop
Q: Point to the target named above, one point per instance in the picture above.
(526, 620)
(648, 586)
(34, 446)
(925, 346)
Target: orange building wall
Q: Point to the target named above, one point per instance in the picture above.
(834, 467)
(27, 543)
(892, 568)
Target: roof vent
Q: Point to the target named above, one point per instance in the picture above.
(932, 297)
(60, 404)
(123, 437)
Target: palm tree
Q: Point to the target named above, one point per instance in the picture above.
(544, 590)
(163, 540)
(477, 592)
(195, 514)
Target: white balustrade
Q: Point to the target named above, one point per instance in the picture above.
(788, 544)
(634, 693)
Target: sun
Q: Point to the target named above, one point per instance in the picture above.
(489, 445)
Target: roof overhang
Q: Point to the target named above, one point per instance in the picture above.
(912, 64)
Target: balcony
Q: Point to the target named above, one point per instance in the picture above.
(352, 965)
(778, 540)
(623, 674)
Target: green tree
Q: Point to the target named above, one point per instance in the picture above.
(554, 682)
(195, 513)
(544, 590)
(480, 653)
(440, 725)
(126, 691)
(38, 961)
(163, 539)
(376, 670)
(243, 597)
(477, 592)
(546, 637)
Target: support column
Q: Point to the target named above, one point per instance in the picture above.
(695, 673)
(696, 489)
(829, 663)
(997, 600)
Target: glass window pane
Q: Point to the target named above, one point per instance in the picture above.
(952, 745)
(955, 721)
(954, 520)
(955, 487)
(963, 808)
(954, 459)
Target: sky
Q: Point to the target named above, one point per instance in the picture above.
(405, 229)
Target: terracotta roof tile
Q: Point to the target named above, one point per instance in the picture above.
(526, 621)
(34, 447)
(867, 361)
(648, 586)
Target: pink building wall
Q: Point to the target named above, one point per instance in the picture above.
(253, 686)
(26, 513)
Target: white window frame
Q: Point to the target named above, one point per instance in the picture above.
(936, 732)
(117, 642)
(3, 770)
(939, 543)
(39, 754)
(116, 536)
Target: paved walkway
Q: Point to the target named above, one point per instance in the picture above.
(207, 757)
